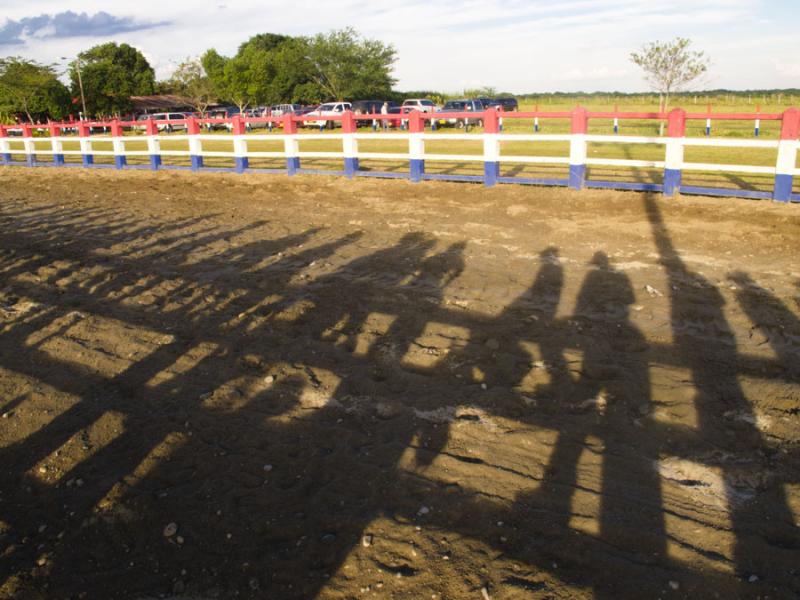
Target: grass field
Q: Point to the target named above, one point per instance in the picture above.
(696, 128)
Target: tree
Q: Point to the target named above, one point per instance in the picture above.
(670, 66)
(267, 69)
(31, 88)
(345, 65)
(112, 73)
(190, 81)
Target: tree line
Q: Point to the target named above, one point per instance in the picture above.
(266, 69)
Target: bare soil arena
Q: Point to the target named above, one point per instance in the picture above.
(222, 386)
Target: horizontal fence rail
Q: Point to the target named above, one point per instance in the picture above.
(284, 131)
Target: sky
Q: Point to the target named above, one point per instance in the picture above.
(516, 46)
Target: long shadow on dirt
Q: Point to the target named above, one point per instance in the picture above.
(278, 411)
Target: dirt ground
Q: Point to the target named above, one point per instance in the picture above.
(226, 386)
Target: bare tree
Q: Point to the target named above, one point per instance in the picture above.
(670, 66)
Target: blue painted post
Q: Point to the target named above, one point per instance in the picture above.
(5, 153)
(84, 133)
(673, 163)
(491, 148)
(416, 146)
(290, 145)
(56, 144)
(349, 144)
(616, 119)
(120, 162)
(536, 120)
(153, 145)
(757, 127)
(28, 143)
(195, 144)
(787, 155)
(241, 161)
(577, 148)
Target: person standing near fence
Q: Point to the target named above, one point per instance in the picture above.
(385, 111)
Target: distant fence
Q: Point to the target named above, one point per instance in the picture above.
(415, 137)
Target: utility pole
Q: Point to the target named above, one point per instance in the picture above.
(80, 83)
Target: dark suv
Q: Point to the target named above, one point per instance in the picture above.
(460, 106)
(507, 103)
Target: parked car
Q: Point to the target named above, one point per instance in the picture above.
(329, 109)
(281, 109)
(256, 113)
(508, 103)
(489, 102)
(420, 104)
(457, 106)
(222, 113)
(160, 119)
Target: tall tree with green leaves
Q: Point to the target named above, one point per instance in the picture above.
(670, 66)
(31, 88)
(345, 65)
(112, 73)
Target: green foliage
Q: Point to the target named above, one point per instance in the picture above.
(190, 81)
(345, 65)
(670, 66)
(33, 89)
(270, 68)
(111, 74)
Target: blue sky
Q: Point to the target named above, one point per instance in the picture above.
(512, 45)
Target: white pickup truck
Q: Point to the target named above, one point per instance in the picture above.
(329, 109)
(420, 104)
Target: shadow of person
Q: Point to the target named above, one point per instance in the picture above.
(612, 392)
(779, 325)
(706, 344)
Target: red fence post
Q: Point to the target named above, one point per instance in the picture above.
(195, 144)
(290, 146)
(416, 146)
(119, 146)
(577, 148)
(5, 149)
(29, 145)
(491, 147)
(153, 144)
(239, 144)
(55, 144)
(673, 162)
(787, 155)
(84, 131)
(349, 144)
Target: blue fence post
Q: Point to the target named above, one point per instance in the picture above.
(153, 144)
(29, 145)
(195, 143)
(291, 147)
(56, 144)
(757, 126)
(5, 149)
(349, 144)
(577, 148)
(673, 162)
(117, 142)
(84, 133)
(787, 155)
(242, 163)
(491, 148)
(416, 146)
